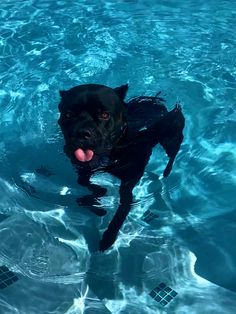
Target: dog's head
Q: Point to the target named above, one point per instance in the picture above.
(92, 120)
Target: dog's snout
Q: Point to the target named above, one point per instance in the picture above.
(85, 134)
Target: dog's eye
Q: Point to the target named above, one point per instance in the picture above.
(104, 115)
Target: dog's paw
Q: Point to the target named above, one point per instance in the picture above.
(89, 202)
(98, 211)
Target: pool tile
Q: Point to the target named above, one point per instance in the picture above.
(168, 289)
(163, 302)
(168, 298)
(7, 277)
(173, 293)
(163, 294)
(3, 285)
(153, 294)
(158, 298)
(157, 289)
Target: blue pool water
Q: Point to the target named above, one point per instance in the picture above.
(187, 49)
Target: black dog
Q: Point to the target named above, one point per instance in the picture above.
(104, 133)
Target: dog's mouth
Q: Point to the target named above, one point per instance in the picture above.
(93, 150)
(84, 155)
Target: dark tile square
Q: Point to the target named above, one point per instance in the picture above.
(152, 294)
(162, 294)
(7, 282)
(10, 274)
(168, 289)
(147, 219)
(168, 298)
(162, 285)
(14, 279)
(3, 269)
(173, 293)
(158, 298)
(4, 276)
(157, 289)
(163, 302)
(2, 285)
(147, 213)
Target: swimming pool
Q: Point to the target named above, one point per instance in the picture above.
(180, 234)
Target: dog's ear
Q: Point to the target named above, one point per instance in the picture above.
(62, 93)
(121, 91)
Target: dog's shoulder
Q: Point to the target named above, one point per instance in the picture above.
(144, 111)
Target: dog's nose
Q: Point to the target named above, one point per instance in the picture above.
(85, 135)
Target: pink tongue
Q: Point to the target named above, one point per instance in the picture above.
(84, 155)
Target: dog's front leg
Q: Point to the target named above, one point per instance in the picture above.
(90, 200)
(126, 197)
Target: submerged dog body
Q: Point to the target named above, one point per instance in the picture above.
(102, 132)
